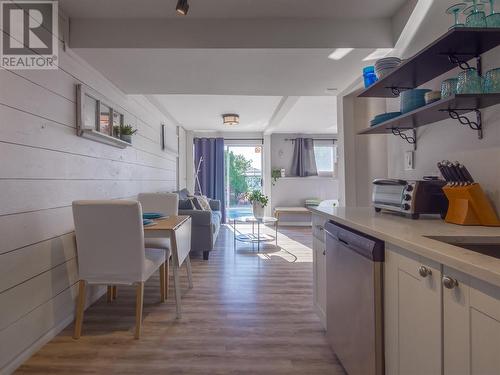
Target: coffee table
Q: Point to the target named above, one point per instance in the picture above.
(255, 238)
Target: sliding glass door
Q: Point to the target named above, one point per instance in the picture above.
(243, 174)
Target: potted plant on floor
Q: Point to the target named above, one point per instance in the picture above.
(126, 133)
(259, 202)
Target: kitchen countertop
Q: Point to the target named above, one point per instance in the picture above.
(410, 235)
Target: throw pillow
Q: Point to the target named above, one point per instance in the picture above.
(196, 204)
(205, 204)
(185, 204)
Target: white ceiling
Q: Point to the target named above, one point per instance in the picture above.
(311, 114)
(275, 72)
(266, 60)
(204, 112)
(346, 9)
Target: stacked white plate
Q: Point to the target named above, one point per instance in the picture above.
(386, 65)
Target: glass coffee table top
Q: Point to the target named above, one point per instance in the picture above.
(253, 219)
(256, 237)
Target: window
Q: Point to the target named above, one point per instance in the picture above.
(325, 154)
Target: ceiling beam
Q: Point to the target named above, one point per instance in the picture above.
(284, 106)
(230, 33)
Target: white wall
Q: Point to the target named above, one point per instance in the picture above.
(293, 191)
(44, 167)
(448, 139)
(363, 158)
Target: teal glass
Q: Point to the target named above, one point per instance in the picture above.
(469, 82)
(492, 81)
(455, 10)
(475, 16)
(449, 87)
(493, 19)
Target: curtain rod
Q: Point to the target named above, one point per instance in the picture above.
(314, 139)
(245, 139)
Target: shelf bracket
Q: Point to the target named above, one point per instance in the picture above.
(454, 59)
(464, 120)
(411, 139)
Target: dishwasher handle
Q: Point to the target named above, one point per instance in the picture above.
(351, 239)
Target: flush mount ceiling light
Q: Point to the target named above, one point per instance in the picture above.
(182, 7)
(231, 119)
(340, 53)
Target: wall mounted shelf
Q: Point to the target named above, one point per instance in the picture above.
(437, 111)
(453, 48)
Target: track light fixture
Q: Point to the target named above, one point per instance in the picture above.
(182, 7)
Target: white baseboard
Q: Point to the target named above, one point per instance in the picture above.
(53, 332)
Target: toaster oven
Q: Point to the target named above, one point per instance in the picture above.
(411, 198)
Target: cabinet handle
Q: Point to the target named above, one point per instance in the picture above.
(324, 252)
(449, 282)
(424, 271)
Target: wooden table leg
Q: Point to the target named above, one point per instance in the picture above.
(162, 283)
(177, 288)
(115, 292)
(167, 276)
(175, 270)
(109, 293)
(189, 272)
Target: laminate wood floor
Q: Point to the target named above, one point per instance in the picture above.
(249, 313)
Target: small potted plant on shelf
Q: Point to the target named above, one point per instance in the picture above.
(126, 133)
(275, 174)
(259, 202)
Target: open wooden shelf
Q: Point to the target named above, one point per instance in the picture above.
(432, 61)
(434, 112)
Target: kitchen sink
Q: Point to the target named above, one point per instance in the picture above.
(489, 246)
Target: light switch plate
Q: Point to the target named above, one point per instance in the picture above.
(409, 160)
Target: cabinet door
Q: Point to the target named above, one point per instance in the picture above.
(412, 314)
(471, 317)
(319, 273)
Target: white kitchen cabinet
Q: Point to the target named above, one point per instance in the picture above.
(412, 316)
(319, 268)
(471, 318)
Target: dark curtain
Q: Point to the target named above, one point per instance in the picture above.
(211, 173)
(303, 161)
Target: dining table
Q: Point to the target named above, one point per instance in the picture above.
(178, 230)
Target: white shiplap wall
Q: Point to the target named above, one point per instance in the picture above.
(44, 166)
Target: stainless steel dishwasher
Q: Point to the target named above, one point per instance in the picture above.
(354, 299)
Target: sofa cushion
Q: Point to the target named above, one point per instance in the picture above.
(185, 204)
(183, 194)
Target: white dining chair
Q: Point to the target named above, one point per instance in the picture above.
(111, 251)
(168, 205)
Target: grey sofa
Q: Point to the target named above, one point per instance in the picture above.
(205, 224)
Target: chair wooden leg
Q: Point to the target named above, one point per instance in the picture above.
(109, 294)
(167, 277)
(115, 292)
(162, 283)
(80, 307)
(138, 309)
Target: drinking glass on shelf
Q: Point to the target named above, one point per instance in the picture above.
(449, 87)
(475, 15)
(493, 19)
(492, 81)
(455, 10)
(469, 82)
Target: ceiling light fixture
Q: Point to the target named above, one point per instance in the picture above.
(231, 119)
(182, 7)
(378, 54)
(340, 53)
